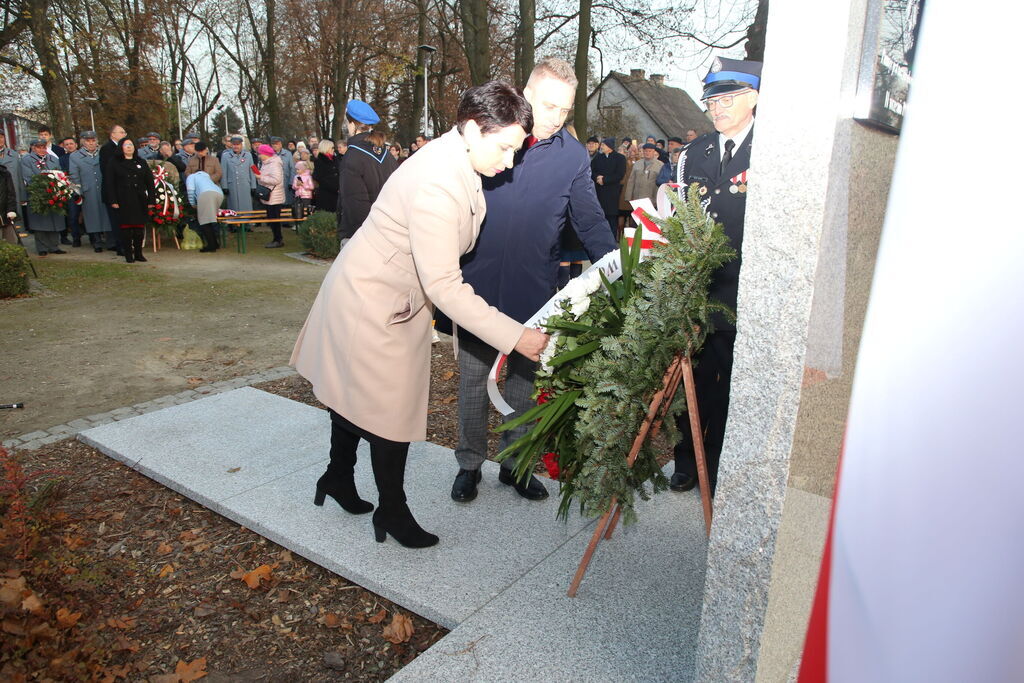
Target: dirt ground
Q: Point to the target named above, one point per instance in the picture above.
(106, 334)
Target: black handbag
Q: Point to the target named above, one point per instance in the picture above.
(263, 192)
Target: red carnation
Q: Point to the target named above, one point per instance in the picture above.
(52, 202)
(544, 397)
(551, 463)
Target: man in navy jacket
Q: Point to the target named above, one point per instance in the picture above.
(514, 266)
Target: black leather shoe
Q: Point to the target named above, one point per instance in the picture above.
(58, 251)
(531, 490)
(464, 488)
(64, 240)
(682, 482)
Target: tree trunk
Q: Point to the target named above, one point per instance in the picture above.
(342, 69)
(269, 60)
(477, 39)
(525, 41)
(55, 87)
(756, 32)
(579, 119)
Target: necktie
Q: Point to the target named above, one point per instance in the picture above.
(727, 157)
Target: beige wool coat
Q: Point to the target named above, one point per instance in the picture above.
(365, 346)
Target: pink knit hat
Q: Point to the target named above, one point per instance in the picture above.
(265, 149)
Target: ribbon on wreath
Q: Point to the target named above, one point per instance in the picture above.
(644, 213)
(170, 195)
(610, 264)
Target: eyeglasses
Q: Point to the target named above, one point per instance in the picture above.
(724, 101)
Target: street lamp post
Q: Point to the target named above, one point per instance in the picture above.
(428, 50)
(92, 118)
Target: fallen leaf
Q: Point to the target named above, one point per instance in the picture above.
(448, 375)
(32, 603)
(262, 572)
(285, 556)
(67, 619)
(191, 671)
(378, 617)
(194, 380)
(117, 516)
(74, 541)
(11, 591)
(233, 470)
(399, 630)
(330, 620)
(190, 535)
(125, 623)
(126, 644)
(43, 630)
(164, 548)
(70, 570)
(284, 595)
(149, 533)
(15, 628)
(203, 610)
(276, 620)
(166, 571)
(174, 511)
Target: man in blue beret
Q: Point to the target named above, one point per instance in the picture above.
(718, 163)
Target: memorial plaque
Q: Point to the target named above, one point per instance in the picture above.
(890, 37)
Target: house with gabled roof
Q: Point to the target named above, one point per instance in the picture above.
(639, 106)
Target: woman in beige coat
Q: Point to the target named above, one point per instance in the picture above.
(366, 343)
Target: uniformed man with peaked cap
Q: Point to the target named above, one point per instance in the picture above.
(718, 163)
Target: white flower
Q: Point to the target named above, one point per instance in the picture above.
(548, 353)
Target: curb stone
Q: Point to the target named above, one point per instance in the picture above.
(42, 437)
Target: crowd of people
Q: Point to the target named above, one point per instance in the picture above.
(241, 176)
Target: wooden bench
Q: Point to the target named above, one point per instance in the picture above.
(245, 218)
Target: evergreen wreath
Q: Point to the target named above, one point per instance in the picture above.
(49, 193)
(611, 346)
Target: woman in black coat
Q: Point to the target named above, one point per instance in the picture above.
(368, 165)
(325, 174)
(128, 183)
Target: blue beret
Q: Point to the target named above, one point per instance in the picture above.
(362, 112)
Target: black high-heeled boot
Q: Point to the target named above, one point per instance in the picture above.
(338, 481)
(393, 515)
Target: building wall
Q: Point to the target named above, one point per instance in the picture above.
(611, 94)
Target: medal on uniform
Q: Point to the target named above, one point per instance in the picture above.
(739, 183)
(703, 190)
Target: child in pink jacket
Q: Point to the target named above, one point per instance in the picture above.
(303, 186)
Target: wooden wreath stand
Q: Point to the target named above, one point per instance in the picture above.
(679, 369)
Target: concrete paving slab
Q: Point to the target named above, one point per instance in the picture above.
(193, 448)
(635, 617)
(485, 545)
(280, 448)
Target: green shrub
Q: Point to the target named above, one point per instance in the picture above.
(319, 234)
(14, 268)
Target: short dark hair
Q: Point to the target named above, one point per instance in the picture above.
(44, 129)
(68, 138)
(494, 105)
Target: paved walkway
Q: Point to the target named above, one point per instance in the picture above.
(499, 575)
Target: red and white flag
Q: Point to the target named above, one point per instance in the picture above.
(923, 575)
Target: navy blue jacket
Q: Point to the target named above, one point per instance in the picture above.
(514, 265)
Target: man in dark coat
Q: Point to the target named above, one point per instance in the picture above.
(514, 265)
(108, 151)
(608, 168)
(718, 162)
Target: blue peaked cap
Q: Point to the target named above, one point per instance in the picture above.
(730, 75)
(362, 112)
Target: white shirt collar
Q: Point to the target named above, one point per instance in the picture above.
(739, 139)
